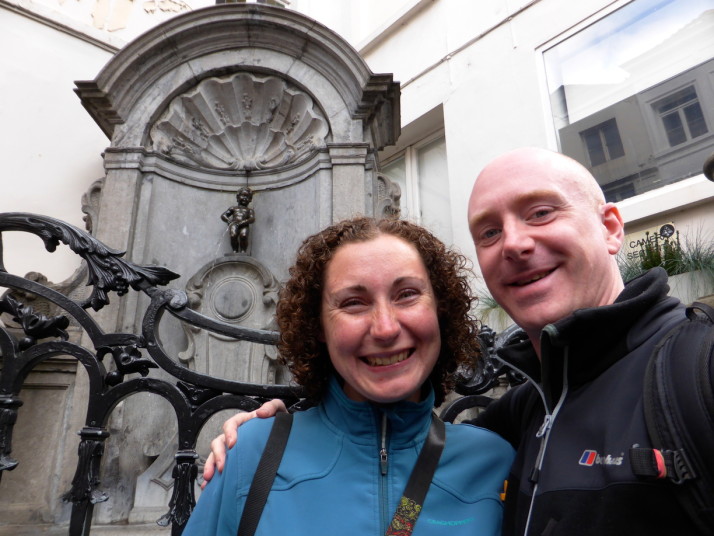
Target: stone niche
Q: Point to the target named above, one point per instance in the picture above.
(212, 101)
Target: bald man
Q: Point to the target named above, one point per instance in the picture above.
(545, 238)
(546, 242)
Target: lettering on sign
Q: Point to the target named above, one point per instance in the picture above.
(635, 242)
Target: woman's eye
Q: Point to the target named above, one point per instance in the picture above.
(407, 293)
(351, 303)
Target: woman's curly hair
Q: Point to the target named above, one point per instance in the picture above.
(298, 310)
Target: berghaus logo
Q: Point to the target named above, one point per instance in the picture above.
(591, 457)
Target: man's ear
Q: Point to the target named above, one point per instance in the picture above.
(614, 227)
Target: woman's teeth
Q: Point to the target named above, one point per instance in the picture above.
(384, 361)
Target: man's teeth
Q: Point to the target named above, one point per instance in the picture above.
(531, 280)
(384, 361)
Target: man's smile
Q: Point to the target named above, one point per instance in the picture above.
(530, 279)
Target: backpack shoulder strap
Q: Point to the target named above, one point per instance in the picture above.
(679, 412)
(702, 310)
(265, 474)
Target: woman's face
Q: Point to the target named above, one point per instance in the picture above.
(379, 320)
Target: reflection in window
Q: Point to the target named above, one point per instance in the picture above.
(682, 116)
(422, 174)
(631, 95)
(603, 142)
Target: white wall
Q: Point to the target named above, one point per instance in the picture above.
(51, 148)
(357, 21)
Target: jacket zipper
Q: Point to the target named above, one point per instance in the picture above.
(544, 435)
(383, 461)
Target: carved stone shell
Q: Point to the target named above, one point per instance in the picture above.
(240, 122)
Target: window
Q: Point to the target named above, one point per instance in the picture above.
(421, 172)
(632, 94)
(681, 116)
(603, 142)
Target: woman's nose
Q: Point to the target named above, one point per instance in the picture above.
(385, 324)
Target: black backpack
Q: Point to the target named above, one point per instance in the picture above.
(679, 411)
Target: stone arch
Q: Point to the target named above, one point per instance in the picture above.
(145, 75)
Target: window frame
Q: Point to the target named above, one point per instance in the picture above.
(411, 201)
(653, 120)
(599, 129)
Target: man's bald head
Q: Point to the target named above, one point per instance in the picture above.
(545, 237)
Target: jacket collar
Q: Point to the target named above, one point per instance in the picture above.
(597, 337)
(408, 422)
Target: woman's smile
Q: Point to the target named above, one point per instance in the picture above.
(383, 361)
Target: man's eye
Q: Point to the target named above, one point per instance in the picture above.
(489, 234)
(541, 213)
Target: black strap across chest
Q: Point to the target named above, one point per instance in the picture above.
(265, 474)
(409, 506)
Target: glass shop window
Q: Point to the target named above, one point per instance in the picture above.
(632, 95)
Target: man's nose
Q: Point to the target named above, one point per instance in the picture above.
(517, 241)
(385, 324)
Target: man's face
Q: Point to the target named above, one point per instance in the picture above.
(543, 244)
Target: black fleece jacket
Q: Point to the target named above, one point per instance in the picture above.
(575, 420)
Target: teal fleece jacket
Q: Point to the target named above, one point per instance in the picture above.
(330, 479)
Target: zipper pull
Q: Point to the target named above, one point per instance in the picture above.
(547, 423)
(383, 450)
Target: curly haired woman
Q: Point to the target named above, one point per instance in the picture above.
(374, 322)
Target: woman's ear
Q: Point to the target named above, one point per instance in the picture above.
(614, 227)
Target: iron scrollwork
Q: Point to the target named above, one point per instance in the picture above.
(183, 498)
(85, 485)
(36, 326)
(108, 271)
(128, 360)
(8, 417)
(490, 372)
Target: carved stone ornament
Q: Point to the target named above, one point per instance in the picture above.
(240, 122)
(389, 196)
(239, 290)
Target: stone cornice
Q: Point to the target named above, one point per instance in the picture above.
(303, 49)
